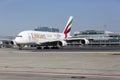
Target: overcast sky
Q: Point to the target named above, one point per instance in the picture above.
(19, 15)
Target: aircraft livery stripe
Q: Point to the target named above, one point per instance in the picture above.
(66, 29)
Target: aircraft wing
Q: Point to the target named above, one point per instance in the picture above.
(78, 40)
(81, 41)
(55, 42)
(46, 42)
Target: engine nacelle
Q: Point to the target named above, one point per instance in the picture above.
(62, 43)
(12, 43)
(84, 41)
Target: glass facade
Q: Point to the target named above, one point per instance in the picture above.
(99, 37)
(49, 29)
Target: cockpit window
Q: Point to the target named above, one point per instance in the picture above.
(19, 36)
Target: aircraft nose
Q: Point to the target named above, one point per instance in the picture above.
(21, 39)
(17, 40)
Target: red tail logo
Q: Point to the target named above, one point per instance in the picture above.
(68, 26)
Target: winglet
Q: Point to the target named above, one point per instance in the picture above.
(68, 26)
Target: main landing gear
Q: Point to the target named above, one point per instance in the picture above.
(48, 47)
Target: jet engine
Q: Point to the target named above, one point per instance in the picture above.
(84, 41)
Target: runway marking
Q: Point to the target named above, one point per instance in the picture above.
(62, 73)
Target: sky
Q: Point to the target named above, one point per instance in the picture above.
(19, 15)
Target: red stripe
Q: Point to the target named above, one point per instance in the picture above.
(65, 32)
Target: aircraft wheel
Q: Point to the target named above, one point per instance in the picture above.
(54, 47)
(20, 46)
(46, 47)
(39, 47)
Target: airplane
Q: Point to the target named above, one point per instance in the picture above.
(42, 39)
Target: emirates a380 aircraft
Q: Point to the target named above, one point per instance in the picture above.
(53, 40)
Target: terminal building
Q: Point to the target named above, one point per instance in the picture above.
(5, 41)
(99, 37)
(48, 29)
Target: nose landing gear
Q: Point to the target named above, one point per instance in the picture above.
(20, 46)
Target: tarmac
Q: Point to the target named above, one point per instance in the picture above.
(62, 64)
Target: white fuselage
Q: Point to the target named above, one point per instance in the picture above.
(38, 37)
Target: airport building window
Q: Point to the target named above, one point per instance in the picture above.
(97, 37)
(49, 29)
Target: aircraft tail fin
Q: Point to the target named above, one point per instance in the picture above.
(67, 28)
